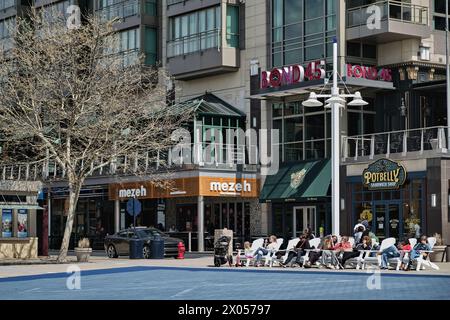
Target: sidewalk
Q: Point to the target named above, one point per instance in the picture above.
(198, 261)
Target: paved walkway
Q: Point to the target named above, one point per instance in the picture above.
(99, 262)
(181, 283)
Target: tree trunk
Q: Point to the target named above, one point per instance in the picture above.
(74, 193)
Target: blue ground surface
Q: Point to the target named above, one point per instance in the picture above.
(228, 284)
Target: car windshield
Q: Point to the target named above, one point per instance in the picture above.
(149, 233)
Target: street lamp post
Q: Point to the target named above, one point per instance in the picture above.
(335, 101)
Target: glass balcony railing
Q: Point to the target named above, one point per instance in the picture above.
(127, 9)
(194, 43)
(390, 10)
(172, 2)
(432, 140)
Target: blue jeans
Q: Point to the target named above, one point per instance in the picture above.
(259, 253)
(387, 254)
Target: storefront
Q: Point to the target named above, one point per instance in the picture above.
(211, 200)
(299, 197)
(18, 211)
(400, 199)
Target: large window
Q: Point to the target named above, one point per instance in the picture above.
(304, 132)
(302, 30)
(6, 27)
(439, 14)
(5, 4)
(196, 31)
(110, 9)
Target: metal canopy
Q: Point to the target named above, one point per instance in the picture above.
(211, 105)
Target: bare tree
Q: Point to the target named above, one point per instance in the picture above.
(69, 96)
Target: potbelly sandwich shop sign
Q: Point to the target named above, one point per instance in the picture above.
(384, 174)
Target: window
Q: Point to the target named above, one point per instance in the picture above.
(151, 42)
(304, 132)
(5, 4)
(439, 14)
(6, 40)
(233, 26)
(200, 30)
(302, 30)
(128, 46)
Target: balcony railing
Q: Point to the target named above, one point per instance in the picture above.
(187, 157)
(393, 10)
(194, 43)
(431, 141)
(127, 9)
(172, 2)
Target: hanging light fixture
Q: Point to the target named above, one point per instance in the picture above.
(312, 101)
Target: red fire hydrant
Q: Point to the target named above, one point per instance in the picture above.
(181, 250)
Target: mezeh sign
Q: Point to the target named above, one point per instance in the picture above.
(384, 174)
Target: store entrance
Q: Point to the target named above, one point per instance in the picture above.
(386, 220)
(303, 217)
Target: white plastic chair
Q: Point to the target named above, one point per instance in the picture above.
(290, 246)
(268, 256)
(398, 260)
(386, 243)
(422, 262)
(312, 243)
(256, 244)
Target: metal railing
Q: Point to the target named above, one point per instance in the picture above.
(172, 2)
(431, 140)
(390, 10)
(120, 10)
(194, 43)
(190, 156)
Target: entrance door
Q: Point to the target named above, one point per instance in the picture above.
(387, 220)
(303, 217)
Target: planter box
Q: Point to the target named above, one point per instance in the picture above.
(83, 254)
(438, 252)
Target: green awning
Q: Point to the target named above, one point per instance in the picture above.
(299, 181)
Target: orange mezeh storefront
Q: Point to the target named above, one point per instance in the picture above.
(214, 201)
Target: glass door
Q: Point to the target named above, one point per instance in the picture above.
(303, 217)
(387, 220)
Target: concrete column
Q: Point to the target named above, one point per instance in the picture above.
(116, 216)
(49, 208)
(201, 223)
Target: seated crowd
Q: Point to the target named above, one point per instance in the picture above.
(334, 252)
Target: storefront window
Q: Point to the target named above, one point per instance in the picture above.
(393, 213)
(277, 222)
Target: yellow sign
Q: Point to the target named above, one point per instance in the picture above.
(366, 215)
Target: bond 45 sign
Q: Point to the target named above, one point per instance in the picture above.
(384, 174)
(289, 75)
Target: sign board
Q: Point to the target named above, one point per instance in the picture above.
(289, 75)
(369, 73)
(22, 223)
(7, 225)
(384, 174)
(134, 207)
(187, 187)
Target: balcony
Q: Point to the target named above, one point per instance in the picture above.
(201, 55)
(201, 156)
(177, 7)
(407, 144)
(399, 21)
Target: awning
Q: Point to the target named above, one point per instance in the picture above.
(300, 181)
(209, 105)
(21, 206)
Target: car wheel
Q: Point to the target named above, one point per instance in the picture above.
(111, 251)
(146, 252)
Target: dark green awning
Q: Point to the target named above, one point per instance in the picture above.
(299, 181)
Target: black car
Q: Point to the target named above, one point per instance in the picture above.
(118, 244)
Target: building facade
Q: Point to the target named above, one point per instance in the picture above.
(249, 65)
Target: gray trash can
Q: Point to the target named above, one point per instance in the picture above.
(447, 254)
(157, 250)
(136, 249)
